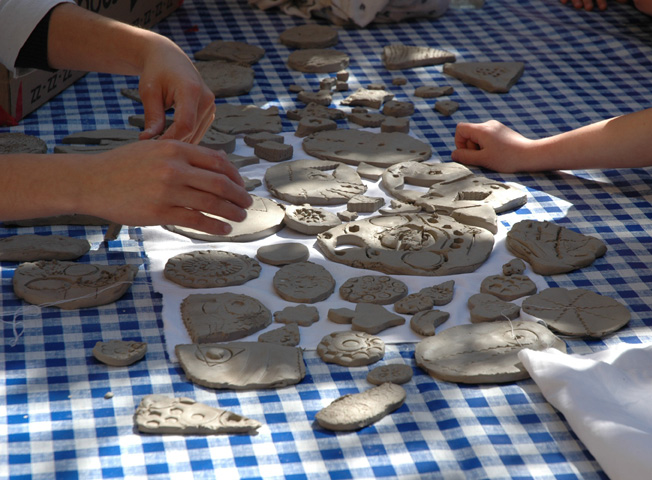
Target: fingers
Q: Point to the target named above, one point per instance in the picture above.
(194, 112)
(154, 111)
(198, 221)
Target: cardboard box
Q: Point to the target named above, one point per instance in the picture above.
(21, 95)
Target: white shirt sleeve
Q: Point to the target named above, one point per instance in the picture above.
(18, 18)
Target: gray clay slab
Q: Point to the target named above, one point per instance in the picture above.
(235, 119)
(251, 183)
(119, 353)
(441, 294)
(310, 35)
(309, 220)
(396, 108)
(254, 138)
(341, 315)
(288, 335)
(97, 137)
(273, 151)
(242, 365)
(483, 352)
(367, 119)
(487, 308)
(320, 97)
(303, 282)
(413, 303)
(400, 57)
(239, 161)
(318, 60)
(356, 411)
(211, 269)
(230, 51)
(515, 266)
(309, 125)
(358, 146)
(433, 91)
(283, 253)
(223, 317)
(551, 249)
(417, 244)
(302, 315)
(30, 248)
(577, 312)
(351, 349)
(395, 124)
(447, 107)
(71, 285)
(160, 414)
(364, 97)
(369, 171)
(396, 373)
(347, 216)
(425, 323)
(508, 288)
(315, 110)
(378, 289)
(226, 79)
(317, 182)
(264, 217)
(493, 77)
(398, 208)
(218, 141)
(373, 319)
(364, 204)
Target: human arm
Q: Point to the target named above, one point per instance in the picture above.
(589, 5)
(623, 142)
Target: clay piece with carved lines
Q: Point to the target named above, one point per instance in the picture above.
(378, 289)
(211, 269)
(508, 287)
(493, 77)
(303, 282)
(397, 373)
(487, 308)
(119, 353)
(309, 220)
(283, 253)
(351, 349)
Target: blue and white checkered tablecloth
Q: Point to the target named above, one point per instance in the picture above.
(580, 67)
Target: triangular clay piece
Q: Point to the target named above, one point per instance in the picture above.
(303, 282)
(119, 353)
(288, 335)
(493, 77)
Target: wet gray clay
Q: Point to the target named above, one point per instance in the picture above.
(508, 288)
(515, 266)
(318, 60)
(283, 253)
(309, 220)
(235, 119)
(395, 108)
(310, 35)
(433, 91)
(424, 323)
(310, 125)
(484, 352)
(222, 317)
(395, 124)
(493, 77)
(373, 319)
(287, 335)
(211, 269)
(364, 204)
(226, 79)
(160, 414)
(238, 52)
(551, 249)
(251, 183)
(242, 365)
(356, 411)
(71, 285)
(396, 373)
(218, 141)
(341, 315)
(119, 353)
(351, 349)
(378, 289)
(399, 57)
(577, 312)
(447, 107)
(302, 315)
(418, 244)
(303, 282)
(30, 248)
(364, 97)
(258, 137)
(317, 182)
(357, 146)
(487, 308)
(273, 151)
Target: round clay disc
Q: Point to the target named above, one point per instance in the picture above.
(303, 282)
(226, 79)
(283, 253)
(15, 142)
(393, 373)
(483, 352)
(578, 312)
(309, 35)
(378, 289)
(351, 349)
(210, 269)
(318, 60)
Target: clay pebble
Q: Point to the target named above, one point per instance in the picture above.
(398, 81)
(318, 60)
(283, 253)
(16, 142)
(303, 282)
(226, 79)
(30, 248)
(426, 322)
(309, 220)
(378, 289)
(493, 77)
(487, 308)
(119, 353)
(395, 373)
(351, 349)
(400, 57)
(211, 269)
(302, 315)
(373, 319)
(288, 335)
(309, 35)
(231, 51)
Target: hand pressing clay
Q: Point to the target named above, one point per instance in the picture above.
(425, 323)
(401, 57)
(160, 414)
(223, 317)
(242, 365)
(318, 60)
(487, 308)
(303, 282)
(351, 349)
(508, 288)
(309, 220)
(373, 319)
(211, 269)
(483, 352)
(364, 97)
(70, 285)
(235, 119)
(287, 335)
(551, 249)
(15, 142)
(395, 373)
(283, 253)
(226, 79)
(238, 52)
(302, 315)
(356, 411)
(119, 353)
(577, 312)
(378, 289)
(309, 35)
(418, 244)
(30, 248)
(493, 77)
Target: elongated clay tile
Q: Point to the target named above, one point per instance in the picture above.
(515, 266)
(238, 52)
(364, 204)
(235, 119)
(341, 315)
(309, 220)
(483, 352)
(242, 365)
(487, 308)
(358, 146)
(418, 244)
(303, 282)
(551, 249)
(211, 269)
(577, 312)
(264, 217)
(226, 79)
(425, 322)
(288, 335)
(310, 35)
(356, 411)
(274, 151)
(400, 57)
(373, 319)
(318, 60)
(283, 253)
(508, 288)
(396, 373)
(96, 137)
(378, 289)
(160, 414)
(364, 97)
(317, 182)
(119, 353)
(223, 317)
(493, 77)
(30, 248)
(351, 349)
(302, 315)
(71, 285)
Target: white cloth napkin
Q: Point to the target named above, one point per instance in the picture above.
(606, 398)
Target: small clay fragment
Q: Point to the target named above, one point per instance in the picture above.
(211, 269)
(294, 88)
(254, 138)
(378, 289)
(341, 86)
(251, 183)
(320, 97)
(30, 248)
(493, 77)
(273, 151)
(376, 86)
(364, 204)
(447, 107)
(310, 35)
(400, 57)
(395, 108)
(341, 315)
(283, 253)
(132, 94)
(433, 91)
(342, 76)
(303, 282)
(310, 220)
(425, 322)
(508, 288)
(395, 373)
(238, 52)
(119, 353)
(351, 349)
(515, 266)
(287, 335)
(302, 315)
(16, 142)
(367, 120)
(399, 208)
(395, 124)
(373, 319)
(309, 125)
(226, 79)
(356, 411)
(487, 308)
(363, 97)
(318, 60)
